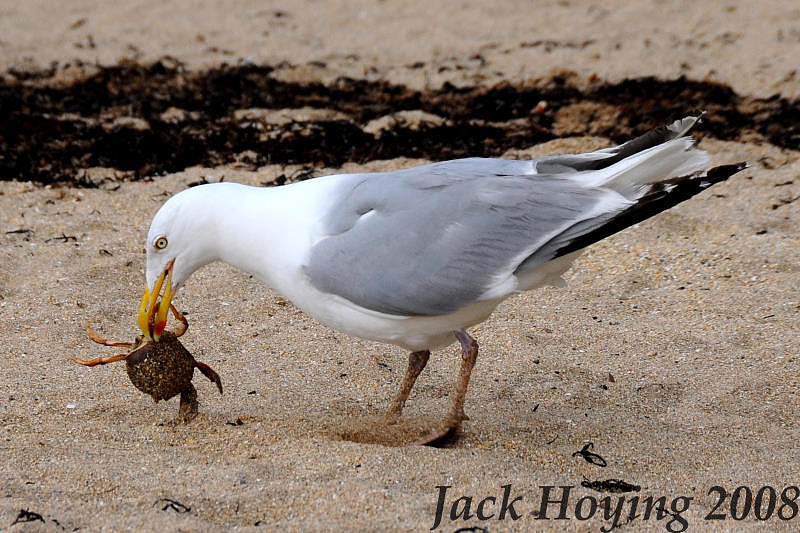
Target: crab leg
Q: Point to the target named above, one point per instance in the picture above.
(187, 409)
(100, 360)
(180, 318)
(102, 340)
(209, 373)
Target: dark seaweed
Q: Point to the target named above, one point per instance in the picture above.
(51, 131)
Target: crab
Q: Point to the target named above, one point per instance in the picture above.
(157, 363)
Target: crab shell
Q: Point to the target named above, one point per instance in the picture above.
(162, 368)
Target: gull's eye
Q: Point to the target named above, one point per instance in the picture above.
(160, 243)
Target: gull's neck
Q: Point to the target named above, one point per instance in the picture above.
(267, 231)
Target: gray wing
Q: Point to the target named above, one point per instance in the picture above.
(433, 239)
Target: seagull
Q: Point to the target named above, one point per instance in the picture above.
(415, 257)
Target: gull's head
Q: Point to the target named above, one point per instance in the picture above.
(180, 241)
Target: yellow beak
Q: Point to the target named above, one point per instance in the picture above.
(153, 309)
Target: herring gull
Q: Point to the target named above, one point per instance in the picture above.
(414, 257)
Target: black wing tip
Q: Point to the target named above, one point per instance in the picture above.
(664, 195)
(723, 172)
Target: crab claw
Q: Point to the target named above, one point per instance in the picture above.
(153, 309)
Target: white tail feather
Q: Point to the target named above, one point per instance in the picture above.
(667, 160)
(683, 125)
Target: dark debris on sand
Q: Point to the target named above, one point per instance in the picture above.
(159, 118)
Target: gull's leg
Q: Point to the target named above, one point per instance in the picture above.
(469, 353)
(455, 414)
(416, 363)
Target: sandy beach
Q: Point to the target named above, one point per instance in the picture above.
(673, 350)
